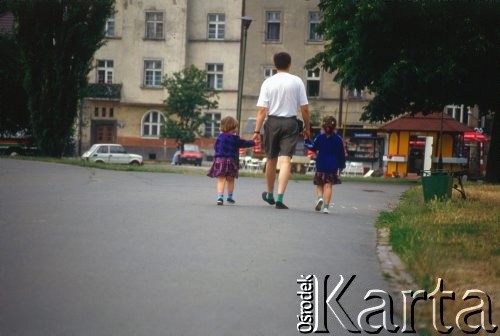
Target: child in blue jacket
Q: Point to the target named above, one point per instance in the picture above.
(330, 161)
(226, 158)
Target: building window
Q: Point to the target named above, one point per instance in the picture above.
(152, 124)
(273, 26)
(314, 21)
(313, 80)
(269, 71)
(215, 76)
(104, 112)
(154, 25)
(105, 71)
(356, 94)
(216, 26)
(152, 73)
(458, 112)
(212, 127)
(109, 29)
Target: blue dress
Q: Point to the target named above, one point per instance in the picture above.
(330, 157)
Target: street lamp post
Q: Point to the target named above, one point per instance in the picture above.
(245, 24)
(440, 160)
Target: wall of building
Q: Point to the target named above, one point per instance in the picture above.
(128, 49)
(201, 50)
(294, 40)
(186, 43)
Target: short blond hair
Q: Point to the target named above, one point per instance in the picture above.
(228, 124)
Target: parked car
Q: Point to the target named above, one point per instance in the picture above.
(192, 154)
(111, 153)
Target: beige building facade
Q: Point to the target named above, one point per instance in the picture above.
(147, 39)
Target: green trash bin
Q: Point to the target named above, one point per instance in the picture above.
(437, 184)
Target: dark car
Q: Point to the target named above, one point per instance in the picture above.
(192, 154)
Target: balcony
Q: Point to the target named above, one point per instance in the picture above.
(103, 91)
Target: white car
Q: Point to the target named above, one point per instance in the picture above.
(111, 153)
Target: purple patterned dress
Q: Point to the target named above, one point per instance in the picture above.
(226, 157)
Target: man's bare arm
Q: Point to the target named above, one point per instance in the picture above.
(261, 115)
(304, 110)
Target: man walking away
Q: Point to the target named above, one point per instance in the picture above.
(281, 97)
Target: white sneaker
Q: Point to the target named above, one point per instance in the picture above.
(319, 204)
(325, 210)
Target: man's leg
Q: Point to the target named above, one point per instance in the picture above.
(283, 180)
(268, 196)
(271, 174)
(284, 176)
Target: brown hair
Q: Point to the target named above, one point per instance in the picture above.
(228, 124)
(282, 60)
(329, 124)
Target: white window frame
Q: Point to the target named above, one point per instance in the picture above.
(153, 73)
(212, 128)
(356, 94)
(104, 71)
(216, 29)
(314, 19)
(154, 25)
(313, 76)
(269, 71)
(215, 76)
(458, 112)
(152, 124)
(109, 29)
(273, 19)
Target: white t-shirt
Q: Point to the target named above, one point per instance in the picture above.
(282, 94)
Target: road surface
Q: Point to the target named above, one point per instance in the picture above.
(96, 252)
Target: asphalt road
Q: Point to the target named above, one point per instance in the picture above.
(96, 252)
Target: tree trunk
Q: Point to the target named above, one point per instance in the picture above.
(493, 163)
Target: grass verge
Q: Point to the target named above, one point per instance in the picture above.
(455, 240)
(154, 167)
(151, 168)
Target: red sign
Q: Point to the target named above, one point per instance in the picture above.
(475, 137)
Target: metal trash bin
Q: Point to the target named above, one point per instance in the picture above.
(437, 184)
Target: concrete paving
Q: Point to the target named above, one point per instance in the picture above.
(95, 252)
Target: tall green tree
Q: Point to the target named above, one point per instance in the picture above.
(416, 56)
(188, 95)
(57, 40)
(14, 116)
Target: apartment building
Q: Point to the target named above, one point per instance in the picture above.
(147, 39)
(284, 25)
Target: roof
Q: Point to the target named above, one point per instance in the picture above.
(426, 123)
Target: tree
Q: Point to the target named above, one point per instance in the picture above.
(416, 56)
(57, 40)
(188, 94)
(14, 116)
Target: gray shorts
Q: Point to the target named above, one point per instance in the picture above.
(280, 136)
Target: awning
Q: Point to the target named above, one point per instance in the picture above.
(475, 137)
